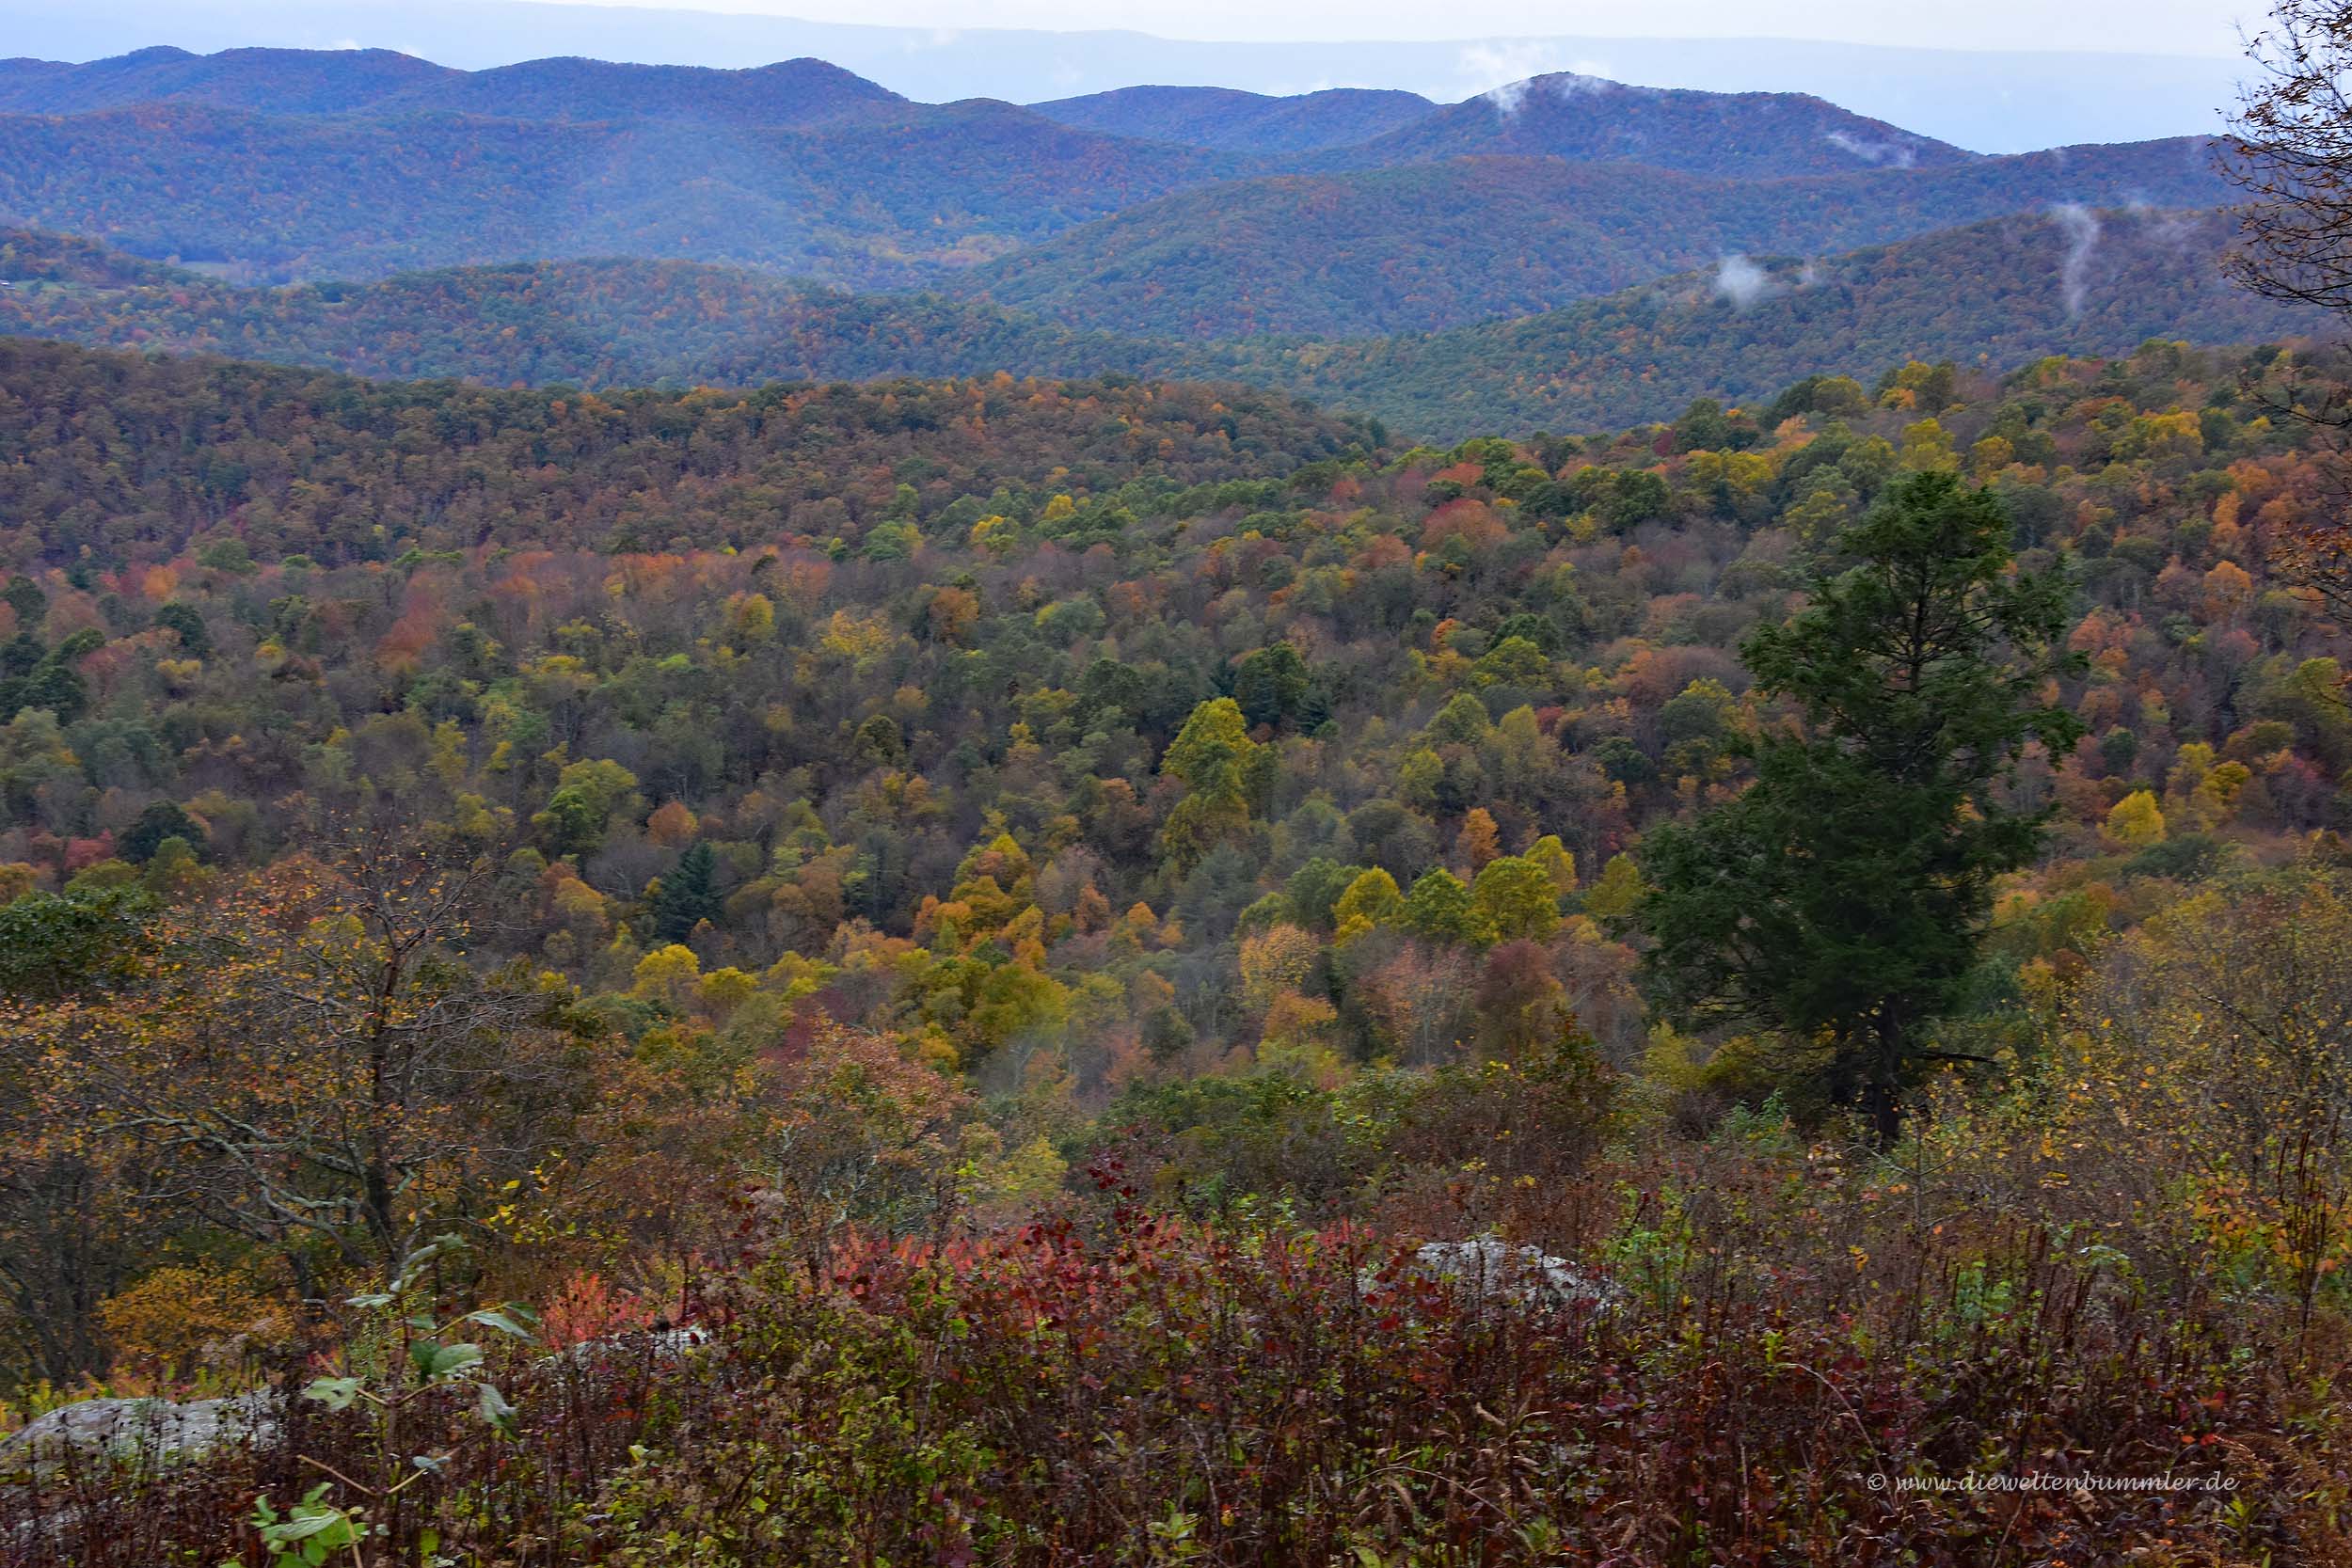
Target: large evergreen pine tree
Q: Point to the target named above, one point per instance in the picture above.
(1842, 898)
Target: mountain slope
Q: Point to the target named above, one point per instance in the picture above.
(378, 81)
(2001, 293)
(279, 81)
(1434, 245)
(595, 323)
(791, 92)
(631, 469)
(1586, 118)
(391, 164)
(1242, 121)
(879, 197)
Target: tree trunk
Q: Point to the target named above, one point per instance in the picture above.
(1883, 1095)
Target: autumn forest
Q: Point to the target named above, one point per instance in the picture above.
(653, 913)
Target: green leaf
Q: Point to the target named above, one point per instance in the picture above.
(336, 1393)
(509, 1318)
(307, 1526)
(441, 1361)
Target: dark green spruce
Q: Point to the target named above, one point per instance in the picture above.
(1842, 898)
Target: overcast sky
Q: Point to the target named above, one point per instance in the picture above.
(2151, 26)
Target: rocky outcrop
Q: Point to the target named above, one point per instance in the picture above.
(148, 1427)
(1488, 1269)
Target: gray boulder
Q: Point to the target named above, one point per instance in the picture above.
(148, 1429)
(1486, 1270)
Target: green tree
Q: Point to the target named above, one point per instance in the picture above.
(1618, 890)
(159, 821)
(1517, 900)
(1270, 685)
(687, 897)
(1314, 887)
(53, 945)
(1372, 899)
(1219, 766)
(1440, 909)
(196, 641)
(1843, 897)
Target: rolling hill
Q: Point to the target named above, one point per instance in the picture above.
(885, 196)
(1588, 119)
(1242, 121)
(793, 92)
(381, 82)
(2000, 292)
(1164, 211)
(1429, 246)
(281, 81)
(603, 322)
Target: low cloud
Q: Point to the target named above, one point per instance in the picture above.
(1889, 153)
(2080, 227)
(1508, 99)
(1506, 72)
(1742, 282)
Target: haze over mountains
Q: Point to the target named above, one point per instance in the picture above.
(1556, 252)
(2035, 93)
(2005, 291)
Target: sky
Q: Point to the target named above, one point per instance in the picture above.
(2207, 28)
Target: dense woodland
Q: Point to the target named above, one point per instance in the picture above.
(363, 165)
(1012, 903)
(1998, 293)
(1352, 831)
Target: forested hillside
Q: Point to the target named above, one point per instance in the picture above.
(745, 824)
(590, 324)
(1226, 216)
(1444, 244)
(1149, 792)
(892, 192)
(928, 801)
(1999, 293)
(1587, 118)
(1241, 121)
(1012, 595)
(980, 583)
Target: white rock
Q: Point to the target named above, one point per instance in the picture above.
(1487, 1269)
(155, 1428)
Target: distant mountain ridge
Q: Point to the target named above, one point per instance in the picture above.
(886, 196)
(284, 164)
(1449, 267)
(1563, 115)
(380, 82)
(1242, 121)
(1589, 120)
(2004, 290)
(1424, 247)
(285, 81)
(2003, 293)
(591, 323)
